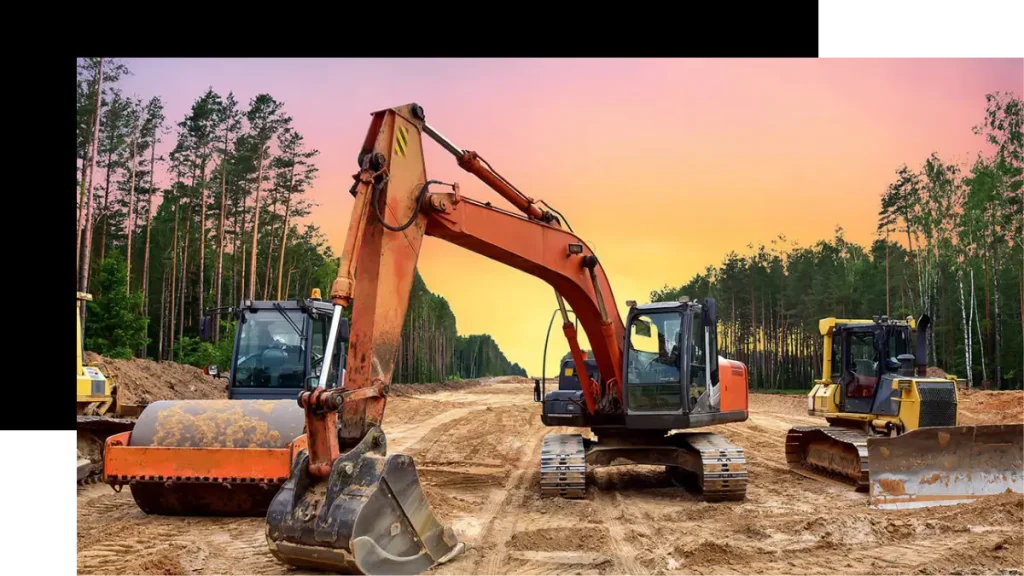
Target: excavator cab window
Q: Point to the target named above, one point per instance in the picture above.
(654, 366)
(698, 360)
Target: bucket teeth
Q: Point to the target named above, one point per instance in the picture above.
(369, 516)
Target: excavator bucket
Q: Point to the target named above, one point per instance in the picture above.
(945, 465)
(206, 457)
(369, 516)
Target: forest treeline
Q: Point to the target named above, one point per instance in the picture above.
(156, 254)
(949, 244)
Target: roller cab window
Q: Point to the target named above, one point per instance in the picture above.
(272, 349)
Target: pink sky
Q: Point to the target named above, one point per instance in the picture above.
(661, 165)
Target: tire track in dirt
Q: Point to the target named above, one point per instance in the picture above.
(500, 527)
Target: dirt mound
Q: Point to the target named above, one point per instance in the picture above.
(791, 404)
(453, 385)
(991, 407)
(936, 372)
(141, 381)
(417, 389)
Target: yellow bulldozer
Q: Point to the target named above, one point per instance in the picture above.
(894, 431)
(99, 413)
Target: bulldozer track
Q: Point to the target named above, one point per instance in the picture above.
(799, 438)
(563, 467)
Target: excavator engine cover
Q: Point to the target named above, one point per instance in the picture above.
(945, 465)
(206, 457)
(369, 516)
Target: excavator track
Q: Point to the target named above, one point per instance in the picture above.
(563, 466)
(723, 467)
(829, 453)
(708, 463)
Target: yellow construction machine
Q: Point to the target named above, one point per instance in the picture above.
(98, 411)
(894, 431)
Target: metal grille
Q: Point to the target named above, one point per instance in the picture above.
(938, 404)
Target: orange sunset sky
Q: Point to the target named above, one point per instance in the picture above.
(663, 166)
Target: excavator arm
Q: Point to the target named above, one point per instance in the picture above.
(348, 505)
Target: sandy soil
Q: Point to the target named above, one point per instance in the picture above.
(476, 449)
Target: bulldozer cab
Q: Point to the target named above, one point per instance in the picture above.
(279, 348)
(862, 353)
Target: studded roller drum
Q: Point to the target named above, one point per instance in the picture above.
(247, 439)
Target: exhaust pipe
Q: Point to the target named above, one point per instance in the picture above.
(921, 356)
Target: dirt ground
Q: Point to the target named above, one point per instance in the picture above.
(477, 448)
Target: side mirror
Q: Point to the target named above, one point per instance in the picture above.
(204, 328)
(343, 330)
(711, 324)
(536, 390)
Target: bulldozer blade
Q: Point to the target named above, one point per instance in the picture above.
(945, 465)
(206, 457)
(369, 516)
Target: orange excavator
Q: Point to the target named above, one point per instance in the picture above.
(348, 505)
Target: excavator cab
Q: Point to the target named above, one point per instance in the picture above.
(671, 374)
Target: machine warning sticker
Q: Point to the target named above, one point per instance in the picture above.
(401, 141)
(568, 371)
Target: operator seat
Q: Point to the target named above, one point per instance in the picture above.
(864, 380)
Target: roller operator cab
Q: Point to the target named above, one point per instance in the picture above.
(279, 346)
